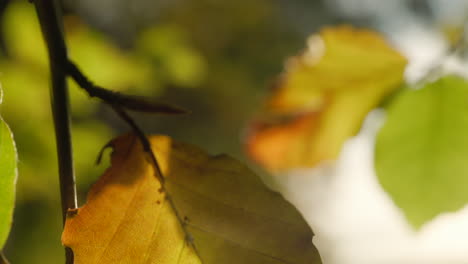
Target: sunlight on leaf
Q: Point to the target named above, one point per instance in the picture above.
(8, 174)
(231, 215)
(323, 97)
(422, 150)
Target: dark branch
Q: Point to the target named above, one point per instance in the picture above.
(134, 103)
(48, 12)
(119, 103)
(60, 68)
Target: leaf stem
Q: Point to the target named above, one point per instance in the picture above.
(49, 15)
(3, 259)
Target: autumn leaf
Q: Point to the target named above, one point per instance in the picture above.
(231, 216)
(323, 96)
(422, 150)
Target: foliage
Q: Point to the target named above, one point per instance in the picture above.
(24, 77)
(323, 97)
(421, 151)
(232, 217)
(324, 94)
(318, 103)
(8, 174)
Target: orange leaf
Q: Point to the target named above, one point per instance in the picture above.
(231, 216)
(323, 97)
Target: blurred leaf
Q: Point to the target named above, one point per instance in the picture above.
(23, 37)
(422, 150)
(26, 109)
(41, 237)
(106, 64)
(8, 174)
(323, 97)
(232, 216)
(16, 77)
(167, 48)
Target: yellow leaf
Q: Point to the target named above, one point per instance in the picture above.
(231, 216)
(323, 97)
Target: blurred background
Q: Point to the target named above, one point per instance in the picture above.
(215, 58)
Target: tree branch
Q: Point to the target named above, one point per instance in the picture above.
(61, 66)
(119, 102)
(48, 12)
(130, 102)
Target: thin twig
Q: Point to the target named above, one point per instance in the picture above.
(130, 102)
(118, 102)
(48, 12)
(147, 148)
(142, 137)
(60, 68)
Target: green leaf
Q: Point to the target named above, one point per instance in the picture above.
(7, 180)
(422, 150)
